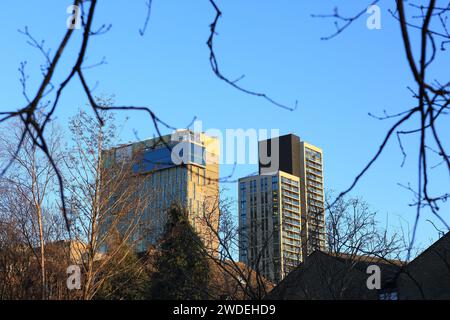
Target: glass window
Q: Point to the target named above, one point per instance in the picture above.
(388, 295)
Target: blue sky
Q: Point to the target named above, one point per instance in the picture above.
(277, 45)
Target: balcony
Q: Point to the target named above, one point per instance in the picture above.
(291, 229)
(291, 195)
(289, 215)
(291, 235)
(295, 243)
(289, 182)
(292, 250)
(316, 165)
(289, 188)
(314, 171)
(314, 177)
(312, 183)
(315, 191)
(315, 197)
(289, 201)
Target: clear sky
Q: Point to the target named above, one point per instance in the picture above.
(277, 45)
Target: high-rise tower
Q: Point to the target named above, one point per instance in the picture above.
(181, 168)
(281, 210)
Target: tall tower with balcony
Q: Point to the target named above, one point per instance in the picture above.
(281, 210)
(312, 198)
(270, 223)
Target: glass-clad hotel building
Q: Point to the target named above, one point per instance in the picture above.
(182, 168)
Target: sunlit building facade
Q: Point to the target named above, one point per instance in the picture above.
(181, 168)
(270, 223)
(312, 197)
(281, 210)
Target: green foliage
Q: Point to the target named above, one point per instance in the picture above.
(128, 279)
(182, 270)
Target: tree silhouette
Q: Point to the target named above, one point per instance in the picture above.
(182, 270)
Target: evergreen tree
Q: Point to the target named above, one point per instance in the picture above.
(181, 268)
(127, 278)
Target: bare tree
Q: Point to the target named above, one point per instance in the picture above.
(355, 236)
(353, 229)
(106, 201)
(429, 24)
(32, 178)
(431, 95)
(35, 127)
(238, 280)
(15, 256)
(355, 240)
